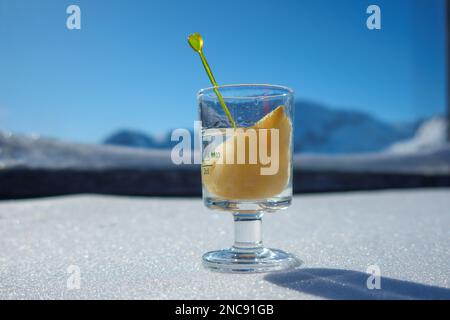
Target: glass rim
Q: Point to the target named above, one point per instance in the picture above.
(288, 91)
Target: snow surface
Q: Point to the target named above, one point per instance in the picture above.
(150, 248)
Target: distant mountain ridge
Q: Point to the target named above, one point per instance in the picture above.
(132, 138)
(317, 129)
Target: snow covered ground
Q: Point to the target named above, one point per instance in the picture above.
(150, 248)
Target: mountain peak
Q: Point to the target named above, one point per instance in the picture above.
(130, 138)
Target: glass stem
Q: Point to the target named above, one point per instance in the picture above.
(247, 232)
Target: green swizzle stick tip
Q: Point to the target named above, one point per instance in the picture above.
(195, 40)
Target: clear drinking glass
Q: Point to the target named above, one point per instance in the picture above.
(247, 170)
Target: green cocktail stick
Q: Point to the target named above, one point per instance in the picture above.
(196, 42)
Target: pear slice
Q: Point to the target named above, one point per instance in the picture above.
(245, 181)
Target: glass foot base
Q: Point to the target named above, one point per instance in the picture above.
(238, 261)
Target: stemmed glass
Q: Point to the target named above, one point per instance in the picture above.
(247, 169)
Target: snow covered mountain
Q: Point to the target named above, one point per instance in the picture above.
(27, 152)
(131, 138)
(34, 166)
(327, 138)
(317, 129)
(430, 135)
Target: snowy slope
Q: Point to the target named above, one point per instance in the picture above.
(29, 152)
(426, 152)
(431, 135)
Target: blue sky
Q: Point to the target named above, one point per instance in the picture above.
(130, 65)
